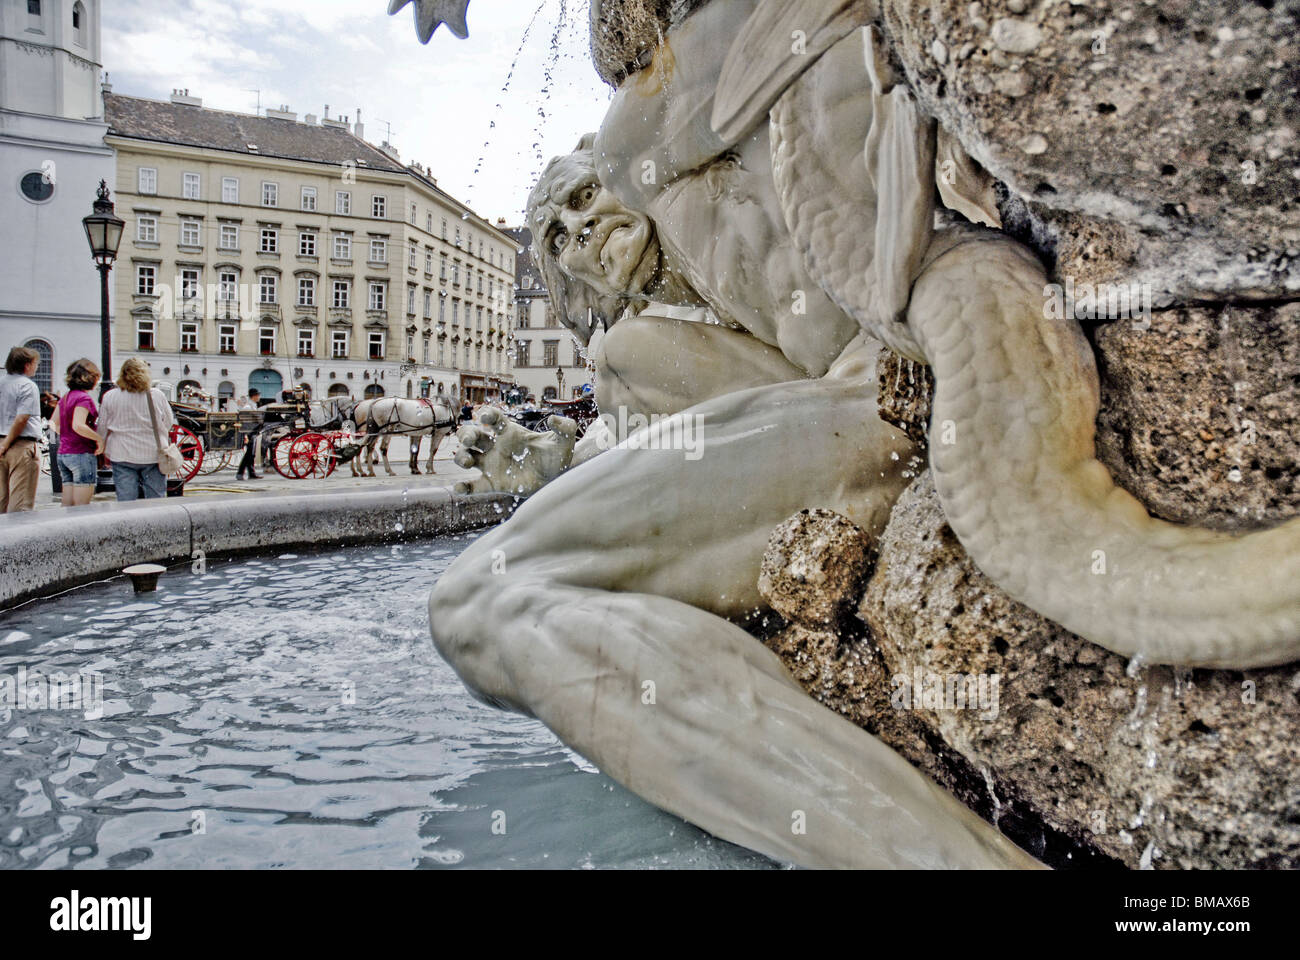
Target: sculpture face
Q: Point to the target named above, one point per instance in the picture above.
(598, 241)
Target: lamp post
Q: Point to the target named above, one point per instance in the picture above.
(559, 383)
(104, 232)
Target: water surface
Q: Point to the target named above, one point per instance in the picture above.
(292, 712)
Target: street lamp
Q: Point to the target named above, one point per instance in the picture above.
(559, 382)
(104, 232)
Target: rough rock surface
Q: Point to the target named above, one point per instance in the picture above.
(906, 390)
(1150, 765)
(624, 32)
(1200, 414)
(814, 564)
(1070, 106)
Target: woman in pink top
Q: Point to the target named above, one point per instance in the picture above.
(79, 443)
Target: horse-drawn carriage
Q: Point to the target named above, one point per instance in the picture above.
(302, 439)
(582, 410)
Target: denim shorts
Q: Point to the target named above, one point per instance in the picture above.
(78, 469)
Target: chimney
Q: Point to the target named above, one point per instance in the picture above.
(310, 118)
(183, 97)
(106, 87)
(284, 113)
(327, 111)
(359, 131)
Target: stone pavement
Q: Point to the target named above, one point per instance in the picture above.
(271, 483)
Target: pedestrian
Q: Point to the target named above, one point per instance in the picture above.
(49, 414)
(249, 462)
(20, 419)
(243, 402)
(128, 430)
(79, 443)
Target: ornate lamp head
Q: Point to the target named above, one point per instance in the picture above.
(429, 14)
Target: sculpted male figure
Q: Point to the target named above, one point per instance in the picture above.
(614, 623)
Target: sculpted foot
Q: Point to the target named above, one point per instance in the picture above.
(512, 459)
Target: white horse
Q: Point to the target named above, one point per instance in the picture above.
(415, 419)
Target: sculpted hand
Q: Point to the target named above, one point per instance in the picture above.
(512, 459)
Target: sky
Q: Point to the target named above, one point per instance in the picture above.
(444, 101)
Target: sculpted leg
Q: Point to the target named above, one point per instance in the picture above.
(584, 615)
(1023, 489)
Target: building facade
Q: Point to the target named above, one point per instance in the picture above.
(271, 253)
(52, 157)
(549, 361)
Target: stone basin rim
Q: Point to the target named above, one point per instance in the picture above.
(46, 553)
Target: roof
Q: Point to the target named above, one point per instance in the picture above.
(193, 126)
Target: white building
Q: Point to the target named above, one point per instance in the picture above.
(52, 157)
(270, 252)
(549, 361)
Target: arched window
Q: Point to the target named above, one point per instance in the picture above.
(45, 372)
(374, 390)
(410, 390)
(338, 390)
(79, 23)
(225, 389)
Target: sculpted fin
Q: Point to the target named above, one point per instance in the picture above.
(779, 41)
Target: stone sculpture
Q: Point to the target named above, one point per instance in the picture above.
(793, 192)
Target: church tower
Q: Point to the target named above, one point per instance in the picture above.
(52, 157)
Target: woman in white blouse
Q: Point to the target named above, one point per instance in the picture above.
(129, 438)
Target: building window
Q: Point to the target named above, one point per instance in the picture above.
(79, 23)
(442, 310)
(478, 358)
(428, 304)
(306, 292)
(226, 338)
(375, 345)
(306, 342)
(148, 180)
(266, 341)
(410, 300)
(379, 207)
(441, 352)
(342, 293)
(410, 345)
(378, 251)
(478, 318)
(44, 376)
(455, 313)
(523, 316)
(339, 344)
(342, 247)
(442, 268)
(145, 277)
(428, 222)
(413, 214)
(377, 295)
(309, 198)
(270, 194)
(410, 260)
(458, 238)
(550, 353)
(270, 240)
(229, 190)
(190, 236)
(267, 285)
(444, 228)
(480, 281)
(189, 284)
(190, 186)
(226, 287)
(426, 349)
(144, 330)
(189, 338)
(306, 244)
(146, 229)
(343, 202)
(428, 262)
(229, 236)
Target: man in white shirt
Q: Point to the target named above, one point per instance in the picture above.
(20, 419)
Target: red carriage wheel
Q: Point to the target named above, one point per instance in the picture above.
(280, 456)
(312, 455)
(191, 453)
